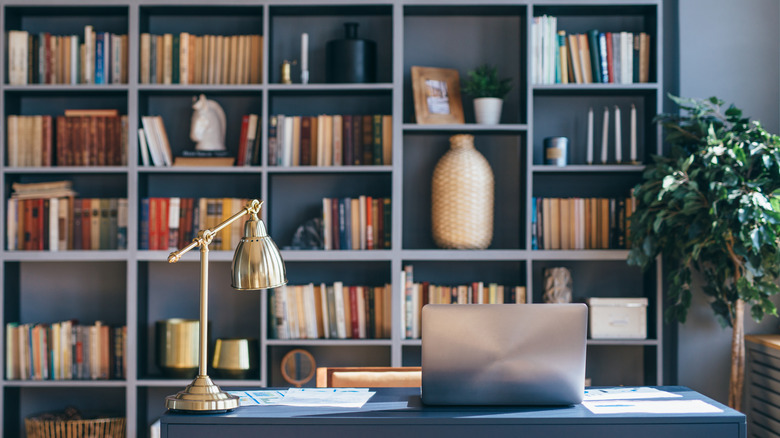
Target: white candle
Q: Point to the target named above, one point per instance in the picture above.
(618, 140)
(604, 136)
(633, 133)
(589, 159)
(304, 58)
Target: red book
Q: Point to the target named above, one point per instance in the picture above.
(610, 66)
(368, 140)
(26, 207)
(357, 140)
(241, 159)
(62, 139)
(369, 224)
(163, 223)
(348, 146)
(99, 140)
(353, 306)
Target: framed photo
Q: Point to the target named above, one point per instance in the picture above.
(436, 96)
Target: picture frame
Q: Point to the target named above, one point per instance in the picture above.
(436, 96)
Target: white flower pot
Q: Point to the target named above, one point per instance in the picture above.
(487, 110)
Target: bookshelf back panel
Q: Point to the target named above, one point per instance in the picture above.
(454, 273)
(286, 33)
(412, 356)
(202, 20)
(297, 198)
(589, 279)
(55, 103)
(174, 293)
(351, 274)
(86, 185)
(88, 292)
(505, 155)
(347, 356)
(176, 111)
(67, 20)
(497, 40)
(567, 116)
(616, 365)
(191, 184)
(150, 403)
(585, 184)
(322, 102)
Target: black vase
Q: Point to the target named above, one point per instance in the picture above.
(351, 60)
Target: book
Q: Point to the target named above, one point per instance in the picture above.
(595, 58)
(204, 161)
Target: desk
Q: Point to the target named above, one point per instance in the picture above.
(398, 412)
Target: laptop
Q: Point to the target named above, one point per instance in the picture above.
(503, 354)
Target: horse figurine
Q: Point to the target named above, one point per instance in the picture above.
(208, 125)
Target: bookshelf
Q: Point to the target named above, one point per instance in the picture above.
(134, 287)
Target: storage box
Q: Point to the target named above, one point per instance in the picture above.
(618, 318)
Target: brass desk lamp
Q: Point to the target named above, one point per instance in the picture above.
(257, 264)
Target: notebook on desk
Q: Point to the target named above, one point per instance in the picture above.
(503, 354)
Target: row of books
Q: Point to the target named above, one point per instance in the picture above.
(356, 223)
(65, 350)
(580, 223)
(415, 295)
(79, 138)
(43, 58)
(185, 58)
(592, 57)
(66, 223)
(330, 140)
(330, 312)
(172, 223)
(153, 142)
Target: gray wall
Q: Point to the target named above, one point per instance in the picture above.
(729, 49)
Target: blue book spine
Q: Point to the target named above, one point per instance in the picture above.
(534, 240)
(348, 223)
(100, 52)
(603, 57)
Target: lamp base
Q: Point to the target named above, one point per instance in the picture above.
(202, 396)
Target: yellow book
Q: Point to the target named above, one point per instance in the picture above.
(555, 223)
(327, 131)
(387, 140)
(167, 72)
(232, 66)
(566, 241)
(574, 53)
(587, 73)
(296, 141)
(355, 223)
(226, 59)
(255, 59)
(145, 61)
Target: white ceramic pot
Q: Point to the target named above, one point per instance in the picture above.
(487, 110)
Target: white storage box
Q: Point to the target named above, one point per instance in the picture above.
(618, 318)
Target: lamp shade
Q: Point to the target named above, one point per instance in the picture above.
(257, 262)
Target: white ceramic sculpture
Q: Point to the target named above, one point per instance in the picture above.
(208, 125)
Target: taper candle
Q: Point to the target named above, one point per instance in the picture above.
(633, 134)
(589, 158)
(618, 139)
(604, 136)
(305, 58)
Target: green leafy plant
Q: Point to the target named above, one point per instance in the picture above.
(484, 82)
(712, 206)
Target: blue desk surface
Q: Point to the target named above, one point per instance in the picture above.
(399, 412)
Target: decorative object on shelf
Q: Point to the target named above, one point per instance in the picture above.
(177, 347)
(208, 125)
(71, 423)
(488, 92)
(462, 197)
(436, 96)
(632, 135)
(304, 58)
(711, 205)
(257, 264)
(557, 285)
(618, 136)
(298, 367)
(604, 135)
(235, 358)
(589, 152)
(309, 235)
(555, 150)
(286, 71)
(351, 59)
(617, 318)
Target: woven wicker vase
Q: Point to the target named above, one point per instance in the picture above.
(462, 197)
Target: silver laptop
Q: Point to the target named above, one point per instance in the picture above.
(503, 354)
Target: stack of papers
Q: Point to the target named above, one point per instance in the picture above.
(309, 397)
(633, 400)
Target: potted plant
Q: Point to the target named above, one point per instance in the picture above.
(488, 92)
(712, 206)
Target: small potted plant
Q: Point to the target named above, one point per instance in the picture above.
(488, 92)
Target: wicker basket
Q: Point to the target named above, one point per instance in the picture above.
(38, 427)
(462, 197)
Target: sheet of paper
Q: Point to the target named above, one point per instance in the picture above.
(339, 397)
(258, 398)
(650, 407)
(626, 393)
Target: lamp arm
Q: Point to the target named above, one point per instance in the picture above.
(205, 236)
